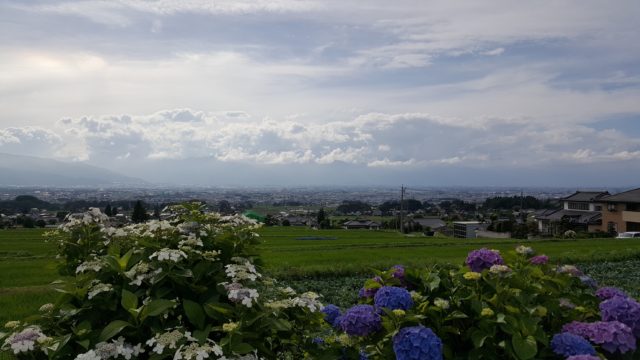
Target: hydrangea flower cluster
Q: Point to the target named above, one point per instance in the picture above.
(392, 298)
(570, 270)
(568, 344)
(242, 270)
(606, 293)
(417, 343)
(583, 357)
(539, 260)
(524, 250)
(589, 281)
(481, 259)
(237, 293)
(26, 340)
(624, 310)
(398, 272)
(331, 314)
(360, 320)
(166, 254)
(612, 336)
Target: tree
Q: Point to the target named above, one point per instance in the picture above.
(323, 222)
(139, 213)
(41, 223)
(224, 207)
(107, 210)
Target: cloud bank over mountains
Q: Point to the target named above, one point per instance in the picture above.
(393, 90)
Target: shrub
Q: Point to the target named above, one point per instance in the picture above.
(183, 289)
(496, 306)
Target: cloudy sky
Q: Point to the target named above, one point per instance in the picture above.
(224, 92)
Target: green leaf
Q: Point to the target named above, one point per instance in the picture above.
(194, 312)
(124, 260)
(281, 325)
(129, 300)
(241, 348)
(113, 329)
(478, 337)
(456, 315)
(156, 307)
(525, 348)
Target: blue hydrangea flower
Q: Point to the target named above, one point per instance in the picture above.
(583, 357)
(567, 344)
(589, 281)
(478, 260)
(625, 310)
(392, 298)
(612, 336)
(331, 313)
(417, 343)
(360, 320)
(606, 293)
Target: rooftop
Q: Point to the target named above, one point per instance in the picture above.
(627, 196)
(586, 196)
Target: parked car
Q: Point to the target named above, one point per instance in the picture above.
(628, 235)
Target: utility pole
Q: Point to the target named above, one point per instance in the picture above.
(402, 189)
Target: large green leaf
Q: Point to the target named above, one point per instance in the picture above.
(129, 300)
(113, 329)
(156, 307)
(525, 348)
(194, 312)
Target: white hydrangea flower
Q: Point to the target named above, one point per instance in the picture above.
(441, 303)
(308, 300)
(239, 294)
(191, 240)
(198, 352)
(98, 288)
(12, 324)
(25, 340)
(243, 270)
(168, 254)
(524, 250)
(91, 265)
(89, 355)
(46, 308)
(168, 339)
(127, 351)
(140, 272)
(211, 255)
(499, 269)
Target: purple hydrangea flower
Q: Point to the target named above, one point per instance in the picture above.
(331, 313)
(392, 298)
(360, 320)
(567, 344)
(612, 336)
(478, 260)
(370, 292)
(583, 357)
(398, 272)
(539, 260)
(417, 343)
(625, 310)
(606, 293)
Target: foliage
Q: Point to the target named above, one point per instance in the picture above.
(352, 206)
(506, 311)
(139, 213)
(180, 289)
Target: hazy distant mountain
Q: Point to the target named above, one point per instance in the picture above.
(22, 170)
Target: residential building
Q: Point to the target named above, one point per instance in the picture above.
(581, 211)
(621, 212)
(361, 224)
(467, 229)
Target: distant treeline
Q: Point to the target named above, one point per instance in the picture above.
(512, 202)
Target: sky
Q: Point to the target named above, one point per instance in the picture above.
(305, 92)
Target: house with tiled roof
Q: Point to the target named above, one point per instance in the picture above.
(581, 211)
(621, 212)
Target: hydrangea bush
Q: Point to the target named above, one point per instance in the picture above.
(496, 306)
(186, 288)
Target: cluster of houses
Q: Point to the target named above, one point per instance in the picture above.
(593, 211)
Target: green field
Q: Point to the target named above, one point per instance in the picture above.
(28, 264)
(359, 251)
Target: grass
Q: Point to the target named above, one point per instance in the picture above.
(358, 251)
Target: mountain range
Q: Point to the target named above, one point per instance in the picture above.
(21, 170)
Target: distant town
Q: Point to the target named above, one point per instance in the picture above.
(457, 212)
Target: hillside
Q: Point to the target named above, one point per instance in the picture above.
(20, 170)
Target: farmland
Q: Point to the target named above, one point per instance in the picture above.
(327, 260)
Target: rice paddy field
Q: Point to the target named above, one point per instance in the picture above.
(332, 262)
